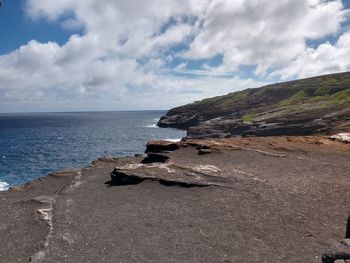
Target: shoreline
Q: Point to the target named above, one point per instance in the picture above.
(4, 186)
(343, 138)
(38, 145)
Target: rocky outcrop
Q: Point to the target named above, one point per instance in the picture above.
(341, 250)
(170, 174)
(319, 105)
(181, 120)
(161, 146)
(341, 137)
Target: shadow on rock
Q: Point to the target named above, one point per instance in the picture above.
(155, 158)
(180, 184)
(119, 179)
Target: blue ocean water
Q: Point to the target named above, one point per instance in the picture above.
(33, 145)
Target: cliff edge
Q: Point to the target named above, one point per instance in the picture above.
(258, 199)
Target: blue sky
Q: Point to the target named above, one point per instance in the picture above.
(125, 55)
(17, 28)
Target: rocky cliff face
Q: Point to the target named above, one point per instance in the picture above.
(318, 105)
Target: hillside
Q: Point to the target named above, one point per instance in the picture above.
(317, 105)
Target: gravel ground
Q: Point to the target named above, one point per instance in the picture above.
(280, 199)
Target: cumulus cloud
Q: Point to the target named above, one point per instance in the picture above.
(128, 54)
(264, 33)
(326, 58)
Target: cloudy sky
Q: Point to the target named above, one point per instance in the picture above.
(72, 55)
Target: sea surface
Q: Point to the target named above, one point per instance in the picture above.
(33, 145)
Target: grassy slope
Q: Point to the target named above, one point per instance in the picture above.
(295, 96)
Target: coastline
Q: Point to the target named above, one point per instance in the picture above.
(35, 145)
(227, 194)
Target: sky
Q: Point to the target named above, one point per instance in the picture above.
(93, 55)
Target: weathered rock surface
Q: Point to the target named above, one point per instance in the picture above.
(341, 250)
(264, 199)
(341, 137)
(171, 174)
(319, 105)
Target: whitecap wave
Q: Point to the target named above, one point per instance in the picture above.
(154, 125)
(172, 140)
(4, 186)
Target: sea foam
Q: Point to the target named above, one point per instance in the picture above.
(4, 186)
(172, 140)
(152, 126)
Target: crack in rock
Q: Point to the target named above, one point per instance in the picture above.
(267, 153)
(46, 215)
(76, 183)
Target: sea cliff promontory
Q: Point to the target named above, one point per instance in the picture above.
(312, 106)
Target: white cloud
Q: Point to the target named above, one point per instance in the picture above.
(120, 58)
(264, 33)
(81, 77)
(326, 58)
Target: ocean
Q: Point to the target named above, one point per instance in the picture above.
(33, 145)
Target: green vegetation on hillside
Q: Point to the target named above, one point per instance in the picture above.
(318, 105)
(294, 99)
(294, 96)
(325, 100)
(248, 118)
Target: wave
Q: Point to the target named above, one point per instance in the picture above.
(154, 125)
(172, 140)
(4, 186)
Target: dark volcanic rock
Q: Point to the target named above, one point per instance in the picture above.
(340, 251)
(161, 146)
(319, 105)
(120, 178)
(155, 158)
(180, 120)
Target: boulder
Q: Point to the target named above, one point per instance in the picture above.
(161, 146)
(341, 250)
(341, 137)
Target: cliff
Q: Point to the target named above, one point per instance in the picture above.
(318, 105)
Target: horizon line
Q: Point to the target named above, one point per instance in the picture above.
(81, 111)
